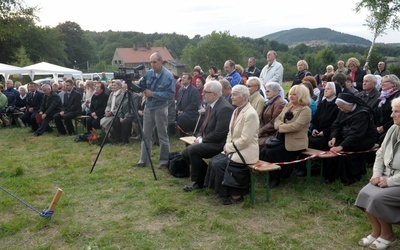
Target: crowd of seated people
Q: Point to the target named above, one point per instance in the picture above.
(351, 112)
(326, 116)
(338, 114)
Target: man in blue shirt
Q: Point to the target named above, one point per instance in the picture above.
(233, 76)
(159, 88)
(11, 93)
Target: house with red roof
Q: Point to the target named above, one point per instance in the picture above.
(135, 56)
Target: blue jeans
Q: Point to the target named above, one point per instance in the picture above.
(155, 118)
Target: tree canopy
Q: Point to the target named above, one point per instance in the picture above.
(383, 15)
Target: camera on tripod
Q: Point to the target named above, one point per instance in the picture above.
(130, 77)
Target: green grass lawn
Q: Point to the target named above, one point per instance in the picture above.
(122, 207)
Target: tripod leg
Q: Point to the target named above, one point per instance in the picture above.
(108, 132)
(145, 148)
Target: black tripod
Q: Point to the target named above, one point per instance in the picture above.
(132, 108)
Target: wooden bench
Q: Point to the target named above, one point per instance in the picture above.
(263, 168)
(78, 119)
(14, 119)
(188, 139)
(319, 160)
(316, 161)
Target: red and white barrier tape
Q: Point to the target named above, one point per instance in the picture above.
(322, 153)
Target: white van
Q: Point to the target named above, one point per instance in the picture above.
(96, 76)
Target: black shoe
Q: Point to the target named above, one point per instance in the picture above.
(163, 166)
(298, 172)
(35, 134)
(274, 182)
(193, 187)
(232, 200)
(139, 165)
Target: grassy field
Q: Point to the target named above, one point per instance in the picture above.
(122, 207)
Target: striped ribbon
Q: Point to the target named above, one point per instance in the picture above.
(319, 154)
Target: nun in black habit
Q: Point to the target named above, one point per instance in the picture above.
(353, 131)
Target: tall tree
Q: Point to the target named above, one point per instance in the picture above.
(78, 48)
(383, 16)
(214, 50)
(15, 18)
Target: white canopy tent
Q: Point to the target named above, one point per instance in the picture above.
(45, 68)
(7, 70)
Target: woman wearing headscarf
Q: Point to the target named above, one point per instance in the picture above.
(292, 124)
(353, 130)
(273, 107)
(380, 198)
(326, 114)
(390, 90)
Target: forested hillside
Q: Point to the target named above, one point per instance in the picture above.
(319, 36)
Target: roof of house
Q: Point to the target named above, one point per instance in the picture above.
(140, 55)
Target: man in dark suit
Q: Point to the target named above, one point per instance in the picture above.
(51, 105)
(71, 108)
(187, 105)
(212, 136)
(34, 99)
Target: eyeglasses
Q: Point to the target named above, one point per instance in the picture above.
(207, 92)
(153, 62)
(251, 86)
(386, 81)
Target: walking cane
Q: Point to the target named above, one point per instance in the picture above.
(197, 124)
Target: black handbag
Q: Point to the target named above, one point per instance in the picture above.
(236, 174)
(273, 141)
(177, 166)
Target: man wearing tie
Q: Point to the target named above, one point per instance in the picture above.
(33, 105)
(187, 105)
(212, 136)
(71, 108)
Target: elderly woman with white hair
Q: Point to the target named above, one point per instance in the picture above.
(231, 181)
(390, 90)
(302, 67)
(380, 198)
(273, 107)
(256, 99)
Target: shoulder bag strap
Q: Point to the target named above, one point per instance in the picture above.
(240, 155)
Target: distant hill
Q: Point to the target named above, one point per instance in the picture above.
(315, 37)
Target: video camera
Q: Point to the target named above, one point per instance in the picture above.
(130, 77)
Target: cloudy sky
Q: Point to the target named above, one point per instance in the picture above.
(250, 19)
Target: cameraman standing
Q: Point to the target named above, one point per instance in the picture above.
(159, 88)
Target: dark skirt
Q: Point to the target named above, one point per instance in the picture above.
(349, 168)
(320, 143)
(232, 179)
